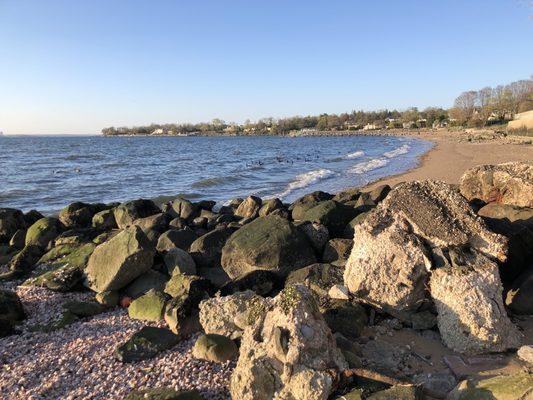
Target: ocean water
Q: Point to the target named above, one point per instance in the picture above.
(48, 172)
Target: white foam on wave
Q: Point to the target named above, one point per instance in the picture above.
(304, 180)
(403, 149)
(367, 166)
(355, 154)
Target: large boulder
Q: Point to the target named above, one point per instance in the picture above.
(504, 387)
(157, 223)
(78, 214)
(305, 203)
(468, 297)
(104, 220)
(178, 261)
(249, 208)
(42, 232)
(407, 235)
(11, 220)
(130, 211)
(288, 354)
(439, 215)
(230, 315)
(509, 183)
(181, 238)
(388, 266)
(120, 260)
(269, 206)
(333, 215)
(148, 307)
(182, 208)
(207, 249)
(267, 243)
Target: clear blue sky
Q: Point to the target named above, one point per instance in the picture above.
(74, 66)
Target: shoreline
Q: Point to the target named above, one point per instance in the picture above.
(455, 152)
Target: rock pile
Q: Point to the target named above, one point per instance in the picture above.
(297, 298)
(424, 245)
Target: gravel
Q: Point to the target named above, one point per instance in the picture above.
(77, 362)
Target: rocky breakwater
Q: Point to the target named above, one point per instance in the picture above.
(418, 291)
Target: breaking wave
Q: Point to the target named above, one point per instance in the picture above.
(304, 180)
(367, 166)
(403, 149)
(355, 154)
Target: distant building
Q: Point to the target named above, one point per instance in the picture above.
(409, 125)
(157, 132)
(372, 127)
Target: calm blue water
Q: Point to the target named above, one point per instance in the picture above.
(47, 173)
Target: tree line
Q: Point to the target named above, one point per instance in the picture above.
(472, 108)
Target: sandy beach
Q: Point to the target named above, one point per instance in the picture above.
(453, 154)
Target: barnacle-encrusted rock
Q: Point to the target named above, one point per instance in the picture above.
(230, 315)
(291, 354)
(471, 315)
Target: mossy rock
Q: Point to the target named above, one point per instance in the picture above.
(148, 307)
(268, 243)
(146, 344)
(164, 394)
(42, 232)
(185, 285)
(216, 348)
(118, 261)
(333, 215)
(509, 387)
(57, 252)
(66, 273)
(305, 203)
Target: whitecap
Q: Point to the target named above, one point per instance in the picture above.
(355, 154)
(403, 149)
(367, 166)
(304, 180)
